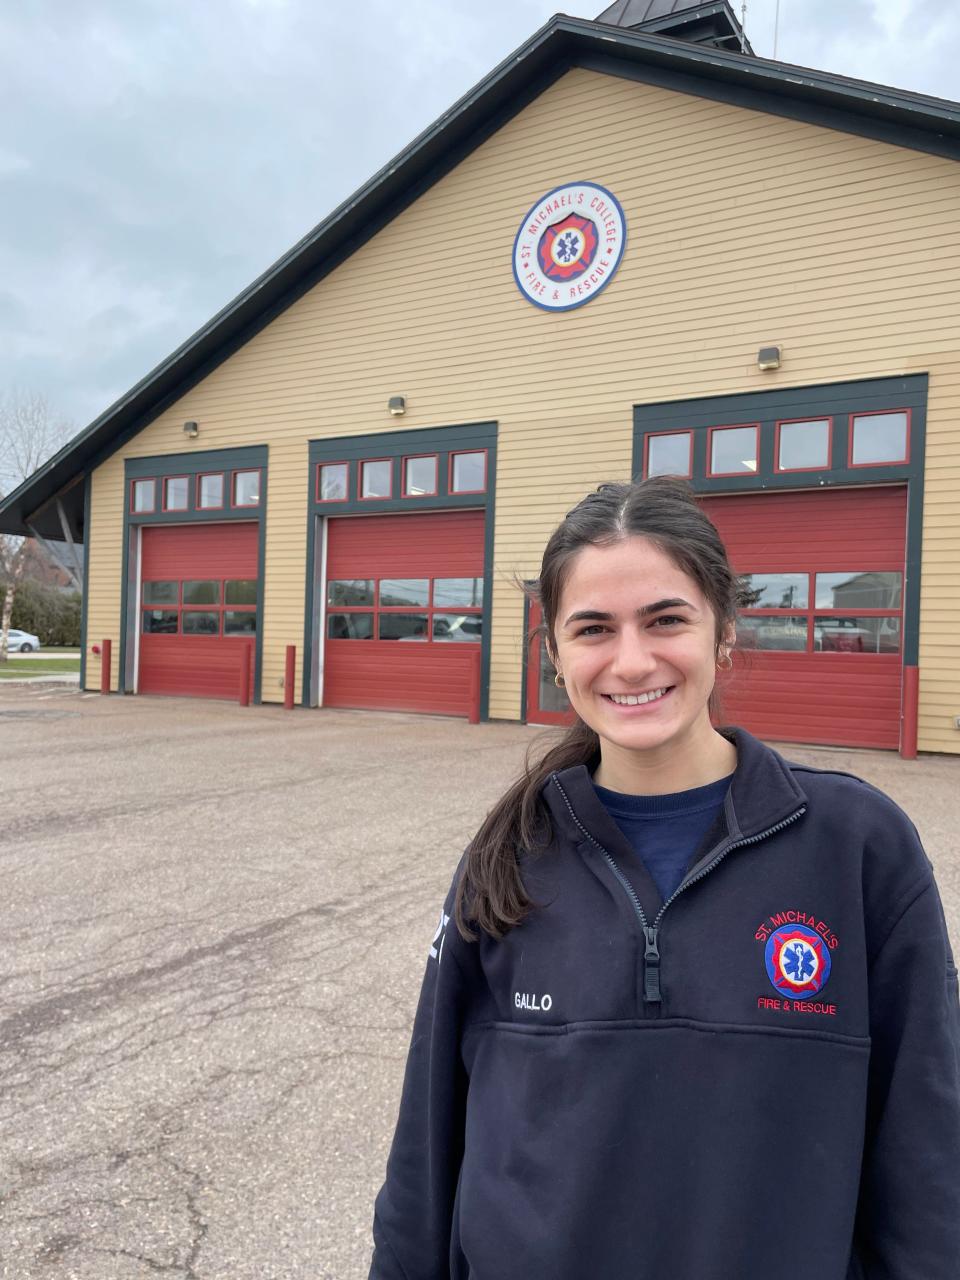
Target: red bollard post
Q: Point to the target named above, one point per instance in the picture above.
(246, 653)
(910, 713)
(105, 666)
(475, 687)
(289, 675)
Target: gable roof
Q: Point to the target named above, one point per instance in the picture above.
(839, 102)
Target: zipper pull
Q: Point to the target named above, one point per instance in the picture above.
(651, 967)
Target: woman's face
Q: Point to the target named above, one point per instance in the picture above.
(636, 645)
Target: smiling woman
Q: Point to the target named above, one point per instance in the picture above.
(623, 1002)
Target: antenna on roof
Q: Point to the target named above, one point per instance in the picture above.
(776, 29)
(743, 28)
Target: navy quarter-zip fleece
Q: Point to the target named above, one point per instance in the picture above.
(762, 1073)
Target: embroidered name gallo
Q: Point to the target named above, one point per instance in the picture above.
(529, 1000)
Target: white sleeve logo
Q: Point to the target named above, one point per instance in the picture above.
(436, 950)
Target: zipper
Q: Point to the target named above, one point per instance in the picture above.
(651, 932)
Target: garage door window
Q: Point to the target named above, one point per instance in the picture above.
(246, 488)
(853, 612)
(733, 451)
(197, 607)
(176, 493)
(804, 445)
(422, 609)
(210, 491)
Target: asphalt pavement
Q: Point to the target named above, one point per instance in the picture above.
(215, 921)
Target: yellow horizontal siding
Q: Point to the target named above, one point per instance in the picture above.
(743, 229)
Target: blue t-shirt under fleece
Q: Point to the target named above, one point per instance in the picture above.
(666, 831)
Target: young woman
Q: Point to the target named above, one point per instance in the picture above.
(691, 1011)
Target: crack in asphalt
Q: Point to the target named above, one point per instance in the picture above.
(47, 1015)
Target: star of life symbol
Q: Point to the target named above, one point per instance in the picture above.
(436, 949)
(569, 245)
(797, 960)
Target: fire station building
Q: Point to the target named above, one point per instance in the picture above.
(635, 248)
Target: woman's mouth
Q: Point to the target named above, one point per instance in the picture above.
(643, 699)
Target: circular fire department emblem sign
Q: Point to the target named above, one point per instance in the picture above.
(569, 246)
(798, 962)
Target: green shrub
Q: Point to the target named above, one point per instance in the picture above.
(52, 616)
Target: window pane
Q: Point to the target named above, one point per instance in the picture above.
(211, 491)
(774, 590)
(772, 633)
(160, 621)
(404, 591)
(458, 626)
(549, 697)
(457, 591)
(733, 450)
(376, 479)
(859, 590)
(350, 626)
(161, 592)
(420, 476)
(240, 623)
(246, 488)
(175, 493)
(856, 635)
(201, 593)
(333, 482)
(669, 455)
(196, 623)
(804, 445)
(469, 472)
(350, 591)
(144, 495)
(879, 437)
(243, 591)
(403, 626)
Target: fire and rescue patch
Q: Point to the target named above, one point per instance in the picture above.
(569, 246)
(798, 961)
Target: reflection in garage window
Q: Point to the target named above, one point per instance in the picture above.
(201, 593)
(403, 626)
(161, 593)
(457, 626)
(160, 621)
(350, 591)
(196, 623)
(859, 590)
(783, 634)
(774, 590)
(404, 591)
(350, 626)
(838, 634)
(448, 592)
(242, 591)
(236, 623)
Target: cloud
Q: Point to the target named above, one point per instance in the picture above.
(156, 157)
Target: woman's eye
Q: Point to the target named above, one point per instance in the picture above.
(669, 620)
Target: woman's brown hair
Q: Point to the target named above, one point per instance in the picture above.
(664, 510)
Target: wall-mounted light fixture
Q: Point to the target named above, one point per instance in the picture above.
(397, 406)
(769, 358)
(191, 430)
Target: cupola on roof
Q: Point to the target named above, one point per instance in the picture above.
(711, 23)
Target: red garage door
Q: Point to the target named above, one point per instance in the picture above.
(198, 608)
(821, 644)
(404, 599)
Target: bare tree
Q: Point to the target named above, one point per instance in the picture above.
(30, 433)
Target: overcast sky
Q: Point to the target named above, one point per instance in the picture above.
(157, 155)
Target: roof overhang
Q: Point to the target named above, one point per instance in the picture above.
(853, 106)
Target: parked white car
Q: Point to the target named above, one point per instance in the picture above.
(21, 641)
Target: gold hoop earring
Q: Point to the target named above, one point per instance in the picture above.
(724, 662)
(559, 681)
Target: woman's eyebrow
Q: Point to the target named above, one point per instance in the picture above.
(595, 615)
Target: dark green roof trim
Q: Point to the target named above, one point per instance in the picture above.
(892, 115)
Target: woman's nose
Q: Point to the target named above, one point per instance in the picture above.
(634, 658)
